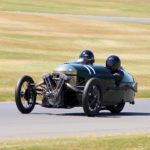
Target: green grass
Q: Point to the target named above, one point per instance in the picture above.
(126, 142)
(32, 45)
(131, 8)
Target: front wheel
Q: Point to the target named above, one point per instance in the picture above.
(92, 97)
(25, 96)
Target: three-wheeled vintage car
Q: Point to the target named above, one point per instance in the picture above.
(74, 84)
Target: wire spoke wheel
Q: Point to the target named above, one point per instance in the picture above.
(25, 95)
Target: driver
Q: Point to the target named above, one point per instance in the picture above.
(87, 56)
(113, 63)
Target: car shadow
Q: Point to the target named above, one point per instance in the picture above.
(109, 115)
(100, 115)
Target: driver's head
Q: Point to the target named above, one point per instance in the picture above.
(113, 63)
(87, 56)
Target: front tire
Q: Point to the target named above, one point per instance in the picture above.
(25, 96)
(92, 97)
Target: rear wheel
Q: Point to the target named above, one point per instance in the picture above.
(25, 96)
(92, 97)
(116, 108)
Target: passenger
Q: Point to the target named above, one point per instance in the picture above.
(87, 57)
(113, 63)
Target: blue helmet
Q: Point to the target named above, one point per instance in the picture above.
(88, 56)
(113, 63)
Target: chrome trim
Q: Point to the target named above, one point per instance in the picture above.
(65, 72)
(73, 88)
(66, 69)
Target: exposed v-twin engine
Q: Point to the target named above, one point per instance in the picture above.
(54, 88)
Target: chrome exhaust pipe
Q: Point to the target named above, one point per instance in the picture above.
(73, 88)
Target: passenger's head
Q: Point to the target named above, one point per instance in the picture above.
(113, 63)
(87, 56)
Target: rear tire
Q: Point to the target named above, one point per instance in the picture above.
(116, 109)
(92, 97)
(25, 96)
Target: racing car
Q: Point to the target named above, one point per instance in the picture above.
(74, 84)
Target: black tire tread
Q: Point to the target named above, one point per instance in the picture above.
(91, 82)
(19, 104)
(116, 109)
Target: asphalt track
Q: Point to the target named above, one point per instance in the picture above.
(114, 19)
(45, 122)
(104, 18)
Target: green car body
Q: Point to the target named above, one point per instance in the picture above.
(80, 74)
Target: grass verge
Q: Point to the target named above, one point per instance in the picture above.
(126, 142)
